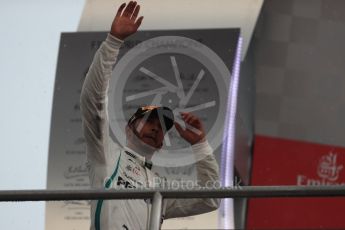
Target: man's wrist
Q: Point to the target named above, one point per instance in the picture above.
(117, 36)
(202, 148)
(196, 141)
(113, 41)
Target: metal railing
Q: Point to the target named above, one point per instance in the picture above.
(157, 195)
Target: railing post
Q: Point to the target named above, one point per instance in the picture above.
(156, 212)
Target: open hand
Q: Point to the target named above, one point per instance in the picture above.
(189, 135)
(126, 23)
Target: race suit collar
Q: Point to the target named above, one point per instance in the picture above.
(139, 158)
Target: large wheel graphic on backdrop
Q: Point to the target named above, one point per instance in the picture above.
(172, 71)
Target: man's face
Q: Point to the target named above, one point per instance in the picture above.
(150, 131)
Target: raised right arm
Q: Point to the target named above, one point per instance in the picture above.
(93, 101)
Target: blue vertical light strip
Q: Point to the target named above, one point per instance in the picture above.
(226, 218)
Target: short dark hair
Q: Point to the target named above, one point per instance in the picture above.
(154, 112)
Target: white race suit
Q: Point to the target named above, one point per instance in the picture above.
(112, 166)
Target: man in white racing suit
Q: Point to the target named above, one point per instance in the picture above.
(111, 166)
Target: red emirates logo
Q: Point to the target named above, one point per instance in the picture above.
(328, 172)
(328, 168)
